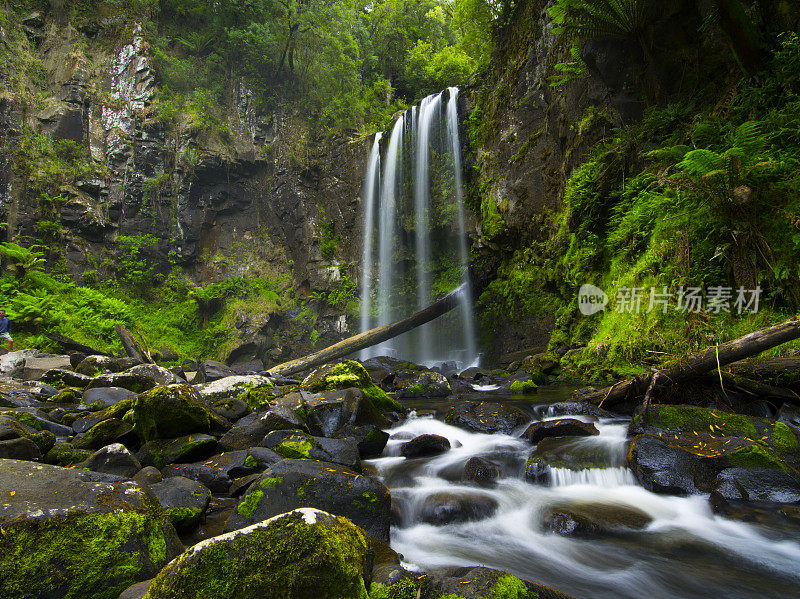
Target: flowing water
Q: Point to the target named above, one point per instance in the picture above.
(685, 551)
(415, 230)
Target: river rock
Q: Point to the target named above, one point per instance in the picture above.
(245, 433)
(148, 476)
(295, 483)
(424, 384)
(303, 553)
(219, 471)
(230, 386)
(117, 410)
(480, 471)
(298, 445)
(231, 408)
(73, 533)
(138, 383)
(485, 417)
(370, 440)
(61, 377)
(425, 445)
(11, 361)
(36, 366)
(35, 420)
(758, 484)
(94, 365)
(107, 396)
(106, 432)
(563, 427)
(182, 499)
(573, 408)
(477, 582)
(664, 468)
(22, 448)
(65, 454)
(446, 508)
(189, 448)
(171, 411)
(136, 591)
(113, 459)
(589, 520)
(210, 370)
(157, 373)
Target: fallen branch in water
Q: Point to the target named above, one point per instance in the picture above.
(693, 365)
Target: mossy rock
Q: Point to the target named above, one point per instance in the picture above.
(170, 411)
(346, 375)
(65, 454)
(132, 381)
(189, 448)
(111, 430)
(45, 440)
(304, 553)
(69, 533)
(66, 395)
(478, 582)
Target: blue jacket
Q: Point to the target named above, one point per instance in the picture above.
(5, 324)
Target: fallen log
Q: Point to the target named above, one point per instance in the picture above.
(696, 364)
(71, 345)
(370, 337)
(131, 347)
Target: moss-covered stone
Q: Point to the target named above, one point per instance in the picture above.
(305, 553)
(756, 456)
(67, 395)
(103, 433)
(183, 517)
(249, 504)
(523, 387)
(65, 454)
(295, 449)
(44, 441)
(347, 375)
(170, 411)
(258, 397)
(783, 438)
(691, 418)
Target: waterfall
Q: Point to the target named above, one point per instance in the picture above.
(415, 229)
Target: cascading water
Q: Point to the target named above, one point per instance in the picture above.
(421, 243)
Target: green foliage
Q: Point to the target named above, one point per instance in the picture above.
(21, 260)
(344, 295)
(135, 264)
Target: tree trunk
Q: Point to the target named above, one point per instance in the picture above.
(70, 344)
(693, 365)
(371, 337)
(131, 346)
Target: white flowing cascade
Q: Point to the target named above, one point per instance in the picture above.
(419, 188)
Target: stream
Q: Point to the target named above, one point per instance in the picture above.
(685, 551)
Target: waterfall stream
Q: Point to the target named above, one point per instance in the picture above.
(684, 551)
(414, 227)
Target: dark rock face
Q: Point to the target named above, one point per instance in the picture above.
(593, 520)
(573, 408)
(297, 445)
(113, 459)
(20, 449)
(563, 427)
(330, 487)
(662, 468)
(485, 417)
(160, 452)
(446, 508)
(370, 440)
(218, 472)
(424, 384)
(183, 500)
(425, 445)
(107, 396)
(480, 471)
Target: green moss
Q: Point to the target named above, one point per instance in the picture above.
(182, 517)
(250, 462)
(492, 223)
(169, 411)
(67, 395)
(26, 419)
(523, 386)
(756, 456)
(101, 434)
(287, 558)
(344, 375)
(700, 419)
(45, 440)
(90, 555)
(416, 388)
(511, 587)
(65, 454)
(381, 400)
(270, 482)
(783, 438)
(295, 449)
(406, 588)
(256, 397)
(249, 503)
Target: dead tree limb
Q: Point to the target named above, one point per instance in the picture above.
(71, 345)
(369, 338)
(696, 364)
(130, 345)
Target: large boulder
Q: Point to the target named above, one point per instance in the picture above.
(303, 553)
(477, 582)
(588, 520)
(425, 445)
(189, 448)
(72, 533)
(485, 417)
(231, 386)
(62, 377)
(136, 382)
(446, 508)
(171, 411)
(36, 366)
(424, 384)
(562, 427)
(211, 370)
(159, 374)
(219, 471)
(346, 375)
(184, 500)
(106, 396)
(113, 459)
(15, 360)
(297, 445)
(290, 484)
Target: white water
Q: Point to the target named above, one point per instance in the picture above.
(424, 139)
(686, 551)
(372, 184)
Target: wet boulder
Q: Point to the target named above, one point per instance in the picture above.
(73, 533)
(290, 484)
(424, 384)
(231, 386)
(189, 448)
(480, 471)
(298, 445)
(117, 410)
(61, 377)
(447, 508)
(219, 471)
(113, 459)
(231, 408)
(249, 431)
(563, 427)
(425, 445)
(346, 375)
(303, 553)
(758, 484)
(171, 411)
(370, 440)
(106, 432)
(159, 374)
(94, 365)
(182, 499)
(107, 396)
(592, 520)
(664, 468)
(65, 454)
(485, 417)
(211, 370)
(477, 582)
(22, 448)
(573, 408)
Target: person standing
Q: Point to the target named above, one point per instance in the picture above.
(5, 323)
